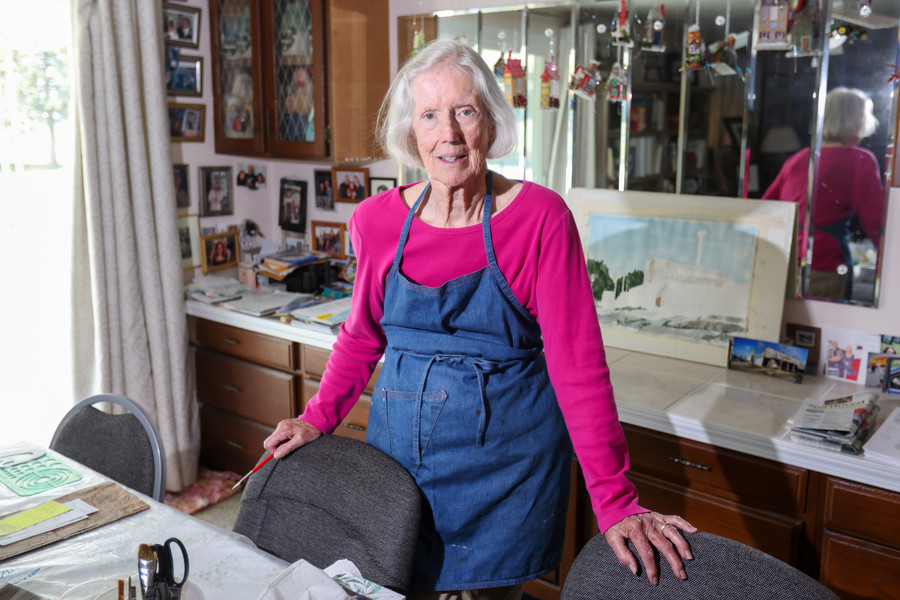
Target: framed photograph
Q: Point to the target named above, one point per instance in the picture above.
(216, 197)
(181, 25)
(184, 74)
(324, 190)
(381, 184)
(186, 122)
(329, 238)
(348, 245)
(350, 184)
(806, 336)
(682, 275)
(251, 176)
(781, 361)
(189, 237)
(220, 251)
(292, 205)
(182, 197)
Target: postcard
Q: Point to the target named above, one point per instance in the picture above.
(845, 353)
(768, 358)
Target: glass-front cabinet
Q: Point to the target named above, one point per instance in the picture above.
(273, 95)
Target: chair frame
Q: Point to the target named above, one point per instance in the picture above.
(146, 421)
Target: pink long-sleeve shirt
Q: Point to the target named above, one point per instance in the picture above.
(539, 252)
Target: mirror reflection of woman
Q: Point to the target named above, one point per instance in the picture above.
(850, 184)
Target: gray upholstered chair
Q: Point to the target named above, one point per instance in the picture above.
(336, 498)
(722, 569)
(125, 447)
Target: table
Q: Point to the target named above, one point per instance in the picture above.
(224, 564)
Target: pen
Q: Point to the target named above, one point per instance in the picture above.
(252, 471)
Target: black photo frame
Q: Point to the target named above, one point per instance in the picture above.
(292, 205)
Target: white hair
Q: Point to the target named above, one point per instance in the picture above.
(395, 130)
(848, 113)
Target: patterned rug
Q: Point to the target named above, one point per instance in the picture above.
(210, 487)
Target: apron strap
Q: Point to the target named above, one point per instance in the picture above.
(404, 233)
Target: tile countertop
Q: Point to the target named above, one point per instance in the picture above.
(730, 409)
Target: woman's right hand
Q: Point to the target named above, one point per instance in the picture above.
(290, 435)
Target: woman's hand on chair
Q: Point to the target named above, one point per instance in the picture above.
(290, 435)
(648, 531)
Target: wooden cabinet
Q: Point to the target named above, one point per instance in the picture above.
(860, 540)
(246, 383)
(298, 78)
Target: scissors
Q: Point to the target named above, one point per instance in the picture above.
(167, 588)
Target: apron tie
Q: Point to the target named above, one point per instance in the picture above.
(480, 365)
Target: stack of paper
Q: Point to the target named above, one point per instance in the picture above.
(884, 446)
(42, 518)
(329, 314)
(212, 289)
(839, 424)
(263, 302)
(279, 266)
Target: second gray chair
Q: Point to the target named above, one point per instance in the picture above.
(331, 499)
(126, 447)
(722, 569)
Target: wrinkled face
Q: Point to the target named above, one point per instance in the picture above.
(451, 128)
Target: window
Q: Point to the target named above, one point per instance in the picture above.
(36, 151)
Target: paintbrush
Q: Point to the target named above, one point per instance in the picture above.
(147, 563)
(252, 471)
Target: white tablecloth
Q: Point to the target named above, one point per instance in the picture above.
(223, 564)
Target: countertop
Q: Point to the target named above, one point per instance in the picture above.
(739, 411)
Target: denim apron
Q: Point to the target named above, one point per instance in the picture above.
(464, 402)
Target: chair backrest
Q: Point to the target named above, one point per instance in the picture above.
(336, 498)
(126, 447)
(722, 568)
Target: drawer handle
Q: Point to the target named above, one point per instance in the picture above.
(236, 445)
(688, 463)
(352, 426)
(231, 388)
(230, 341)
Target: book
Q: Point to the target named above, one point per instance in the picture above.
(884, 445)
(260, 303)
(330, 313)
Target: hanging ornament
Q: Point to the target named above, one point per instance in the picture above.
(550, 78)
(802, 29)
(418, 36)
(514, 81)
(656, 21)
(772, 27)
(722, 55)
(622, 33)
(584, 80)
(693, 52)
(616, 85)
(500, 65)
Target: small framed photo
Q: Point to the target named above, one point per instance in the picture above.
(329, 238)
(252, 176)
(350, 184)
(184, 74)
(324, 190)
(381, 184)
(215, 191)
(181, 25)
(189, 237)
(292, 205)
(186, 122)
(806, 336)
(220, 251)
(182, 197)
(348, 245)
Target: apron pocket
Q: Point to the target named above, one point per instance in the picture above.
(402, 428)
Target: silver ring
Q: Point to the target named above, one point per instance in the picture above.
(664, 526)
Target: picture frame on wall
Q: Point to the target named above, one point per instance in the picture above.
(292, 205)
(189, 237)
(328, 237)
(349, 183)
(216, 197)
(381, 184)
(220, 251)
(182, 195)
(181, 25)
(184, 74)
(324, 191)
(186, 122)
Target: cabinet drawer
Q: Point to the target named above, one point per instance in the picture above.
(857, 570)
(862, 511)
(238, 342)
(770, 532)
(357, 420)
(230, 442)
(246, 389)
(730, 474)
(315, 359)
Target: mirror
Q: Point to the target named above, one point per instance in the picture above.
(725, 129)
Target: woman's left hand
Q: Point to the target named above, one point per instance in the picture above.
(646, 531)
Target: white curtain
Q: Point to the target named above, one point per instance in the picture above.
(130, 334)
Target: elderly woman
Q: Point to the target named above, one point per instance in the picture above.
(849, 184)
(474, 288)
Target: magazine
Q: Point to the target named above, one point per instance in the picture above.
(840, 423)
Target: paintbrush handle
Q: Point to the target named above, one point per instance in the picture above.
(252, 471)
